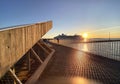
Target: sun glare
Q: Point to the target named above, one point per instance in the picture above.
(85, 35)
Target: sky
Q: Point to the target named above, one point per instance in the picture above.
(69, 16)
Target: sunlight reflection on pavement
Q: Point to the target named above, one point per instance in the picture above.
(74, 80)
(71, 66)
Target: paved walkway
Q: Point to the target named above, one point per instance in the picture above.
(71, 66)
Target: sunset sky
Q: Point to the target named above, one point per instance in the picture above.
(95, 17)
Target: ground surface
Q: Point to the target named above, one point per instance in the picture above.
(71, 66)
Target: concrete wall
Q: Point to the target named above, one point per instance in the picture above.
(16, 41)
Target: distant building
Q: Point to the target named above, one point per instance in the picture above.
(69, 37)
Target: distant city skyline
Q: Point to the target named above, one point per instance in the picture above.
(95, 17)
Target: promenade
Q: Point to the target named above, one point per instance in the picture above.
(71, 66)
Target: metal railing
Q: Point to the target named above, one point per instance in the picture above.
(109, 48)
(105, 48)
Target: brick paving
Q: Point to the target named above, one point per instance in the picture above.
(71, 66)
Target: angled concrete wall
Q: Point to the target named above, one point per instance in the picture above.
(16, 41)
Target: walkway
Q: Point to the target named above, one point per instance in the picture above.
(71, 66)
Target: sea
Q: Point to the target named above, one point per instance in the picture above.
(108, 49)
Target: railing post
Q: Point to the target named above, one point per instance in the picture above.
(113, 50)
(117, 53)
(119, 50)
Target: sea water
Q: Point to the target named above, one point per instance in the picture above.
(106, 49)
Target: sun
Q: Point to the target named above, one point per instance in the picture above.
(85, 35)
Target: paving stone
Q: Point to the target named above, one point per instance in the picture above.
(69, 64)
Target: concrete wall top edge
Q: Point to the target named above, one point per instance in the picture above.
(19, 26)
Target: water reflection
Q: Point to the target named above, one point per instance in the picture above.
(106, 49)
(85, 40)
(85, 47)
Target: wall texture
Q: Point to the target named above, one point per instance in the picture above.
(16, 41)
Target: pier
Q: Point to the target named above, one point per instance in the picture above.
(26, 58)
(71, 66)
